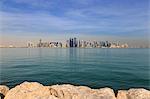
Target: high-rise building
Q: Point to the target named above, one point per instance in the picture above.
(102, 44)
(107, 44)
(40, 43)
(83, 43)
(67, 43)
(75, 43)
(72, 42)
(30, 44)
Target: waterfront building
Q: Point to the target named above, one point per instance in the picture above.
(30, 44)
(75, 42)
(113, 45)
(79, 44)
(67, 43)
(102, 43)
(108, 44)
(45, 44)
(72, 42)
(40, 43)
(124, 46)
(11, 46)
(82, 43)
(60, 45)
(55, 44)
(88, 44)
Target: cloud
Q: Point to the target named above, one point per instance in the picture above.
(33, 22)
(57, 19)
(92, 17)
(30, 3)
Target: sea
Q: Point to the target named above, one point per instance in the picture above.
(92, 67)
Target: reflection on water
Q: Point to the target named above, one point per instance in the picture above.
(73, 59)
(93, 67)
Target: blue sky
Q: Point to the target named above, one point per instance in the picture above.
(58, 18)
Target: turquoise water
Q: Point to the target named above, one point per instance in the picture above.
(115, 68)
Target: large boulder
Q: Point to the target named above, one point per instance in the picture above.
(122, 94)
(82, 92)
(134, 94)
(3, 90)
(35, 90)
(138, 94)
(28, 90)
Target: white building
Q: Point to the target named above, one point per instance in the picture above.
(30, 44)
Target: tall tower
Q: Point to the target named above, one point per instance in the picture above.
(70, 42)
(40, 43)
(75, 42)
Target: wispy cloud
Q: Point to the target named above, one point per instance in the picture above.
(33, 22)
(93, 17)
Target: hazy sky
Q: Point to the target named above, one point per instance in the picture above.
(30, 20)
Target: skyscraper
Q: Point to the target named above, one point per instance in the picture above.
(72, 42)
(75, 42)
(40, 43)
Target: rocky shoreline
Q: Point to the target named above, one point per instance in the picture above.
(34, 90)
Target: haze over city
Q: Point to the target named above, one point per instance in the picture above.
(126, 21)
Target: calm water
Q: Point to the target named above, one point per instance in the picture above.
(115, 68)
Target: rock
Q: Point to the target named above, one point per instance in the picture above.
(3, 90)
(28, 90)
(106, 93)
(122, 94)
(134, 94)
(82, 92)
(35, 90)
(138, 94)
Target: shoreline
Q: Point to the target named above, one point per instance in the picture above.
(71, 48)
(35, 90)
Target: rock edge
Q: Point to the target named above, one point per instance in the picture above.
(34, 90)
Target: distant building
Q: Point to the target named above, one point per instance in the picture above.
(59, 44)
(68, 43)
(82, 43)
(45, 44)
(30, 44)
(11, 46)
(49, 44)
(108, 44)
(124, 46)
(102, 44)
(79, 43)
(40, 43)
(75, 42)
(72, 42)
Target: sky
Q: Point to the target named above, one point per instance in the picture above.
(57, 20)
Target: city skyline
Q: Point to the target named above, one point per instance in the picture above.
(25, 20)
(73, 42)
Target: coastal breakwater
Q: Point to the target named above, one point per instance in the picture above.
(34, 90)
